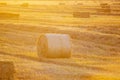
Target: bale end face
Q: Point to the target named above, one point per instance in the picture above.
(6, 70)
(54, 46)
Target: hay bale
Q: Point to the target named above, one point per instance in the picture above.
(115, 6)
(116, 3)
(6, 70)
(4, 15)
(61, 3)
(79, 4)
(105, 5)
(104, 11)
(25, 5)
(81, 14)
(54, 46)
(3, 4)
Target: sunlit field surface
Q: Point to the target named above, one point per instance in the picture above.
(94, 27)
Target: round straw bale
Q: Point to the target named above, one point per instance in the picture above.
(25, 5)
(54, 46)
(81, 14)
(6, 70)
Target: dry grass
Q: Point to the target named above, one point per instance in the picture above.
(95, 43)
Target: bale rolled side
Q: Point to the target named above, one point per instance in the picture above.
(54, 46)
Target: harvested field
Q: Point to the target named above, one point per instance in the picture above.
(95, 40)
